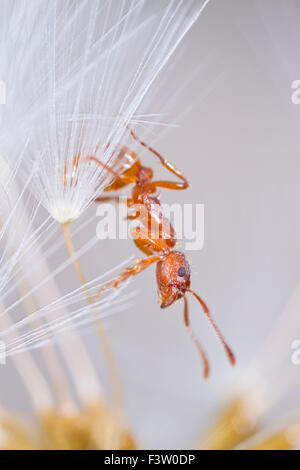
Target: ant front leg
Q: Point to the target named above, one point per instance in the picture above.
(167, 185)
(168, 165)
(107, 199)
(139, 266)
(115, 198)
(122, 177)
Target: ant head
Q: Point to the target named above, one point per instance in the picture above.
(173, 278)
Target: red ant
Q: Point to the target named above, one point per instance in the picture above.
(172, 270)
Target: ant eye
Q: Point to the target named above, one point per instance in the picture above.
(181, 272)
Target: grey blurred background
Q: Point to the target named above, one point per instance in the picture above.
(238, 144)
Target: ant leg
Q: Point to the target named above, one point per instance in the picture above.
(168, 165)
(107, 199)
(123, 177)
(116, 199)
(139, 266)
(74, 169)
(167, 185)
(195, 341)
(145, 241)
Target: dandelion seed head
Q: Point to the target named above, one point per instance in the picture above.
(80, 99)
(63, 211)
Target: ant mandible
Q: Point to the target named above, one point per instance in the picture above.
(173, 274)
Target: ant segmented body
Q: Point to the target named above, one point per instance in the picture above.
(172, 269)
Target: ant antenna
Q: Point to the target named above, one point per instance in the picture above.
(195, 341)
(229, 353)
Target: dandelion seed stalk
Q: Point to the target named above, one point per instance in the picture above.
(111, 364)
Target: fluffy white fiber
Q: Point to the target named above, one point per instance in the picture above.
(85, 69)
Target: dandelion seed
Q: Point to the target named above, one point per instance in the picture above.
(18, 344)
(83, 101)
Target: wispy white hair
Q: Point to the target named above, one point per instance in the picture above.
(91, 66)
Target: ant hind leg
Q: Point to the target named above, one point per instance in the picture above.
(168, 165)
